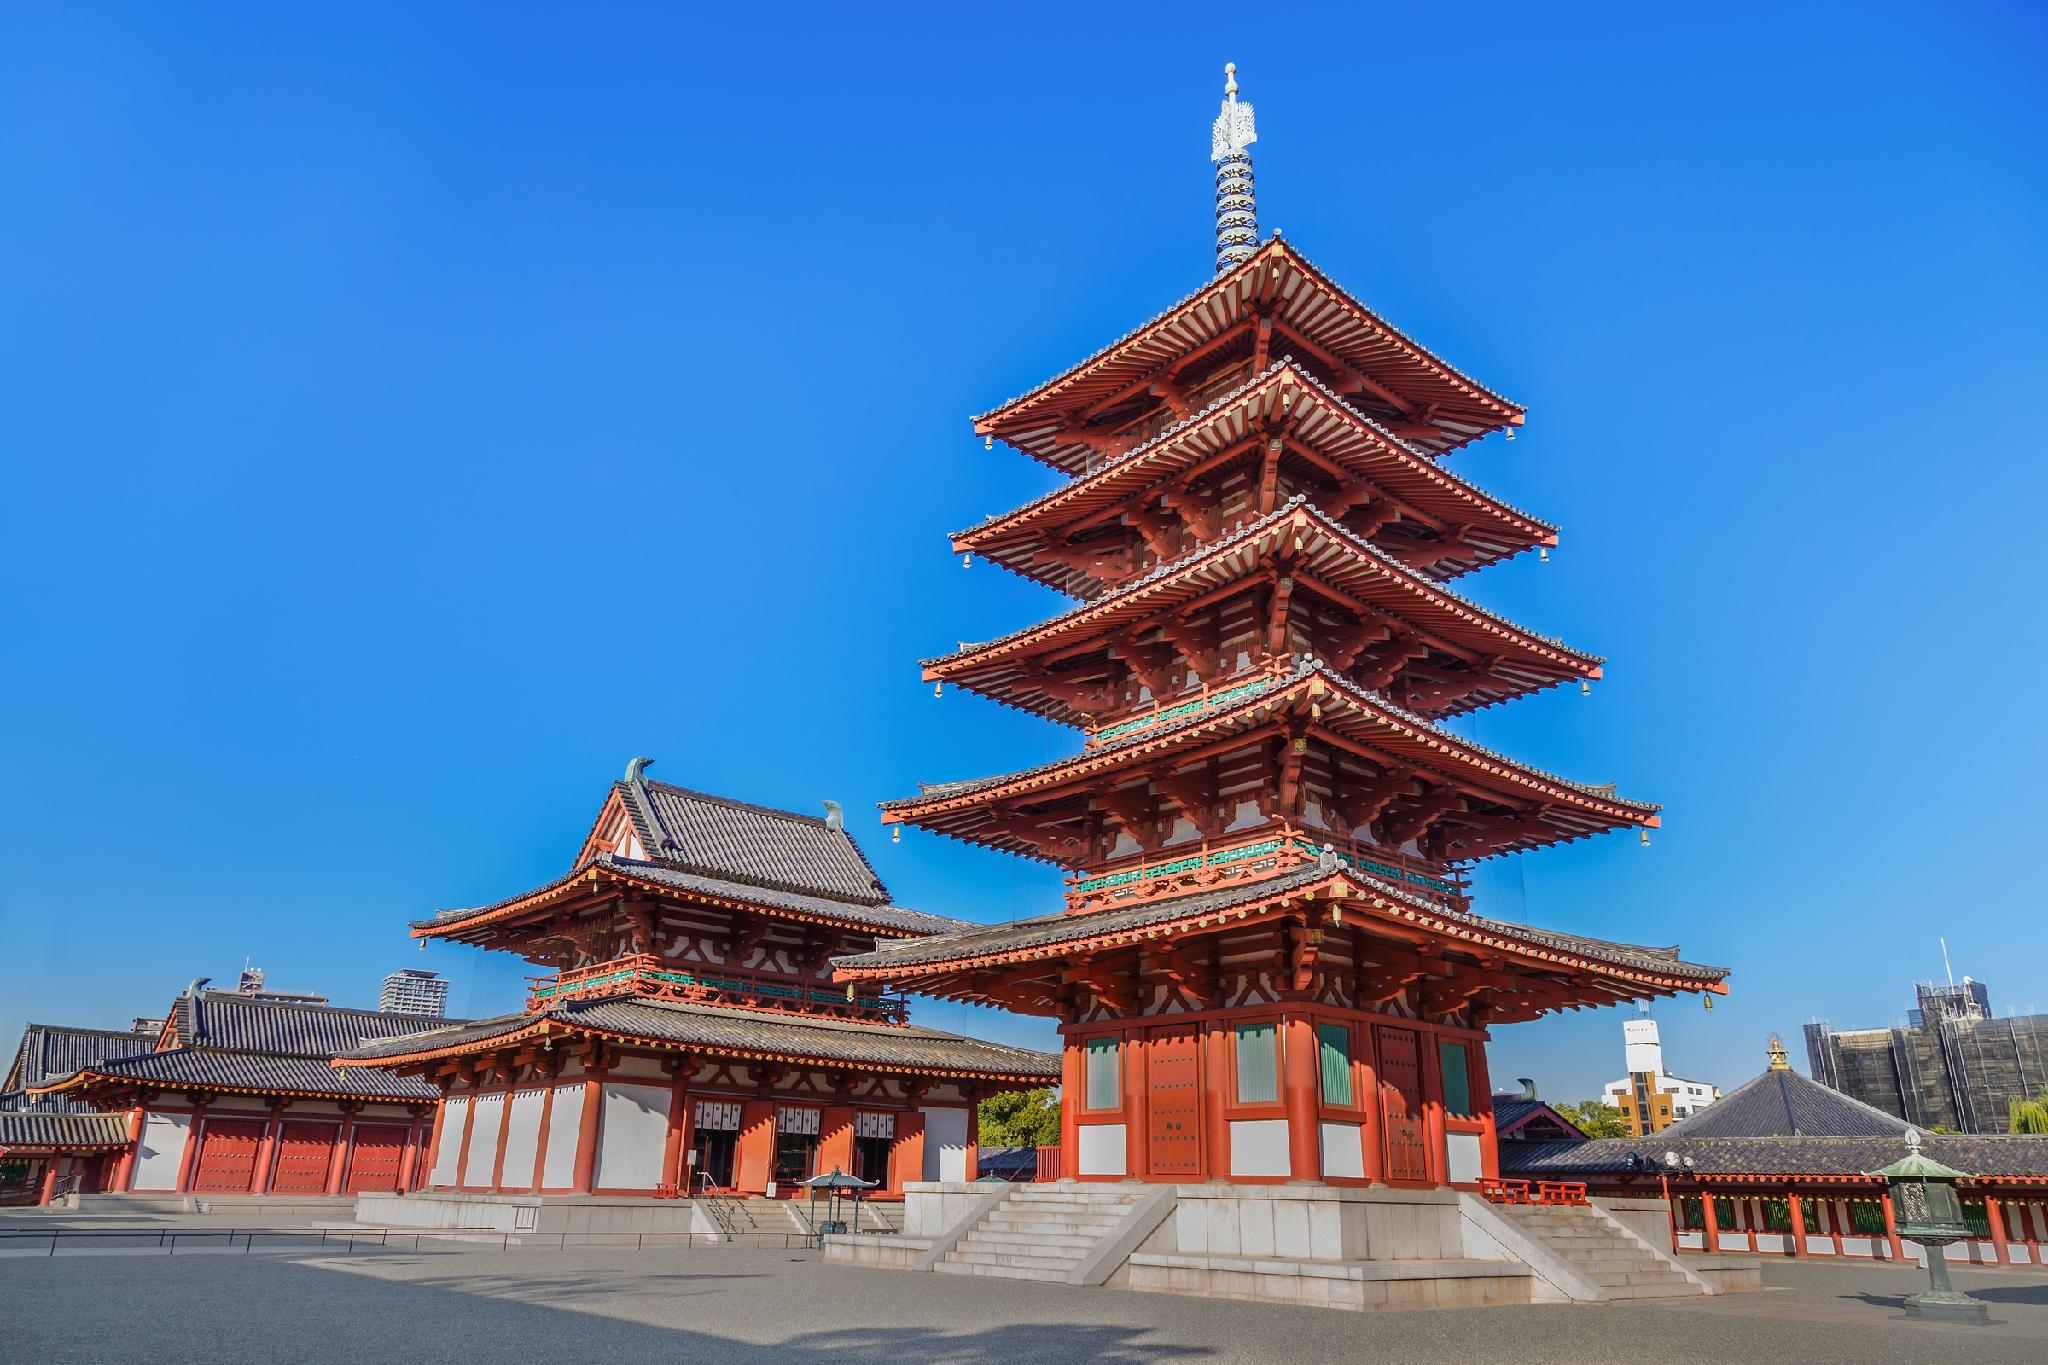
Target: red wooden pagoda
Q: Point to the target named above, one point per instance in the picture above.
(1267, 967)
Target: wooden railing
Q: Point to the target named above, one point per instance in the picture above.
(656, 978)
(1185, 868)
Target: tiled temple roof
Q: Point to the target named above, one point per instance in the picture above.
(1210, 309)
(256, 1073)
(1467, 613)
(1784, 1103)
(736, 841)
(2000, 1156)
(888, 918)
(56, 1131)
(1622, 809)
(1054, 931)
(49, 1050)
(225, 1020)
(721, 1029)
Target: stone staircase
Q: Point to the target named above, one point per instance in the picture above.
(1601, 1252)
(1038, 1233)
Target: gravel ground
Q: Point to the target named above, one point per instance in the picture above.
(746, 1307)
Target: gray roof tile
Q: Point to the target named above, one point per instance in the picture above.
(729, 840)
(203, 1068)
(49, 1050)
(33, 1130)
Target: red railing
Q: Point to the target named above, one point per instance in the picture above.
(656, 978)
(1188, 867)
(1048, 1164)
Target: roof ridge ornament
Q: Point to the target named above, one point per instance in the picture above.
(1237, 216)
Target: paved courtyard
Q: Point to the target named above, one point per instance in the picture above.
(750, 1307)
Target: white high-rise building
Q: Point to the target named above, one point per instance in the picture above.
(411, 991)
(1650, 1097)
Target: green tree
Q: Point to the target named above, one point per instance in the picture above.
(1021, 1118)
(2030, 1115)
(1595, 1118)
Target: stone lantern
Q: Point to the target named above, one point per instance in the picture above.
(1930, 1213)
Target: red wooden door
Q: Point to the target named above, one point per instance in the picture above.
(373, 1163)
(303, 1153)
(227, 1156)
(1400, 1073)
(1173, 1103)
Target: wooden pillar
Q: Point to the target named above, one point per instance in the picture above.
(1712, 1232)
(190, 1161)
(1073, 1094)
(344, 1148)
(1131, 1056)
(906, 1158)
(835, 1139)
(1365, 1042)
(266, 1151)
(754, 1153)
(124, 1167)
(1215, 1076)
(674, 1172)
(48, 1184)
(586, 1132)
(504, 1138)
(1298, 1095)
(1891, 1226)
(408, 1153)
(434, 1141)
(1997, 1222)
(540, 1146)
(1436, 1147)
(468, 1127)
(1798, 1223)
(973, 1131)
(1482, 1107)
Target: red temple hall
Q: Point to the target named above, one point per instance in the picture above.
(688, 1036)
(1268, 966)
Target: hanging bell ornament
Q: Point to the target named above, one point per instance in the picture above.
(988, 443)
(1585, 688)
(896, 834)
(937, 688)
(1543, 553)
(967, 560)
(1645, 836)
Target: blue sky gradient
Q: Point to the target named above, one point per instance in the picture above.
(408, 415)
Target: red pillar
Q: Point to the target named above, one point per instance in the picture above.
(1436, 1150)
(835, 1139)
(191, 1157)
(754, 1155)
(973, 1133)
(1798, 1223)
(1891, 1227)
(1131, 1056)
(1364, 1039)
(1215, 1079)
(1482, 1107)
(540, 1149)
(1298, 1095)
(586, 1132)
(1072, 1094)
(1712, 1237)
(906, 1158)
(344, 1147)
(266, 1151)
(408, 1153)
(504, 1136)
(434, 1134)
(674, 1176)
(1997, 1222)
(49, 1181)
(124, 1169)
(462, 1149)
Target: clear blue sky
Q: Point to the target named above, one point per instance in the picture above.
(410, 414)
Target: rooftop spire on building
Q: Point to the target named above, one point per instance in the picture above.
(1778, 1062)
(1237, 217)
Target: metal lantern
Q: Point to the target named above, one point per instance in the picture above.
(1930, 1213)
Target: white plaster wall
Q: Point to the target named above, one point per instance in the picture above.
(1258, 1147)
(1462, 1150)
(563, 1125)
(454, 1110)
(945, 1145)
(1343, 1151)
(631, 1134)
(483, 1139)
(161, 1151)
(522, 1137)
(1102, 1149)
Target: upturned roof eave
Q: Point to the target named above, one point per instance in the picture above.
(974, 537)
(1511, 413)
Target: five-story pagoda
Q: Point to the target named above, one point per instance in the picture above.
(1267, 967)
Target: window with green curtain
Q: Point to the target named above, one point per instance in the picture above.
(1457, 1080)
(1100, 1076)
(1334, 1045)
(1258, 1063)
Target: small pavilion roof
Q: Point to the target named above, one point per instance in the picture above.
(1319, 552)
(738, 841)
(42, 1131)
(1783, 1103)
(51, 1050)
(220, 1071)
(1308, 311)
(1571, 810)
(917, 964)
(1314, 418)
(721, 1030)
(881, 919)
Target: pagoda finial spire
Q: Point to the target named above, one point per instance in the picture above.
(1237, 217)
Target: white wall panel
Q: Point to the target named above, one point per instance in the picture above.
(1102, 1149)
(454, 1111)
(631, 1135)
(1258, 1147)
(522, 1138)
(563, 1125)
(1343, 1151)
(162, 1151)
(945, 1145)
(483, 1139)
(1462, 1149)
